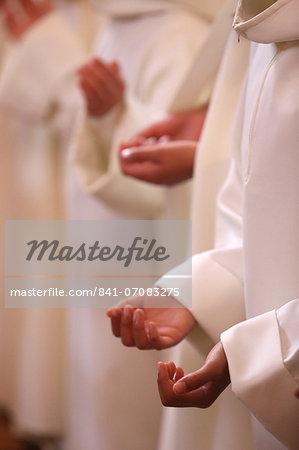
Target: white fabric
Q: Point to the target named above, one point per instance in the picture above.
(91, 425)
(263, 186)
(212, 160)
(36, 97)
(255, 348)
(287, 318)
(269, 162)
(119, 8)
(152, 77)
(100, 408)
(32, 346)
(151, 84)
(140, 75)
(260, 378)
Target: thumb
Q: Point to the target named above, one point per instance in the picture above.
(137, 154)
(215, 366)
(157, 130)
(194, 380)
(114, 66)
(136, 141)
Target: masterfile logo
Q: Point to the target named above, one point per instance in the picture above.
(94, 263)
(140, 250)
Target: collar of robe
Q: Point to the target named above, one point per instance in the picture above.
(268, 21)
(131, 8)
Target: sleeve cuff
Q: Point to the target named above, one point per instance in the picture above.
(288, 319)
(217, 295)
(259, 378)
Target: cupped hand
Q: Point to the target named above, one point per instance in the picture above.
(153, 327)
(164, 152)
(164, 163)
(199, 389)
(102, 86)
(20, 16)
(179, 126)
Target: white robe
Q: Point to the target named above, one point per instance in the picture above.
(212, 306)
(261, 191)
(91, 423)
(32, 167)
(153, 72)
(263, 351)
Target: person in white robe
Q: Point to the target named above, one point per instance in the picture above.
(89, 404)
(100, 435)
(153, 73)
(32, 166)
(261, 189)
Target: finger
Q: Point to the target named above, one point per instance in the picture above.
(139, 154)
(215, 367)
(9, 20)
(126, 329)
(116, 315)
(109, 312)
(114, 67)
(105, 92)
(171, 369)
(96, 100)
(192, 381)
(36, 9)
(139, 330)
(82, 69)
(146, 171)
(136, 141)
(89, 79)
(179, 374)
(108, 82)
(167, 395)
(154, 336)
(199, 398)
(90, 98)
(160, 152)
(110, 73)
(88, 93)
(31, 8)
(159, 129)
(164, 384)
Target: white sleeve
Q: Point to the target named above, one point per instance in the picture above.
(94, 155)
(217, 301)
(262, 354)
(48, 53)
(216, 298)
(288, 322)
(217, 274)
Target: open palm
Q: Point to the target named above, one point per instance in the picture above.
(152, 327)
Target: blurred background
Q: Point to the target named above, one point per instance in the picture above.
(77, 78)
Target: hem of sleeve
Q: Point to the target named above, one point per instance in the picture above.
(217, 295)
(259, 378)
